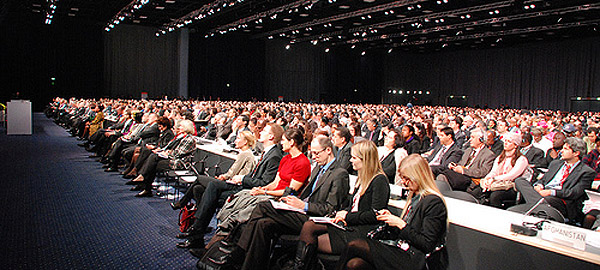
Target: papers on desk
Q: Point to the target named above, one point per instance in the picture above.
(593, 201)
(285, 206)
(183, 172)
(188, 179)
(327, 220)
(233, 183)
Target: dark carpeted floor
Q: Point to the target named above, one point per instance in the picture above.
(59, 210)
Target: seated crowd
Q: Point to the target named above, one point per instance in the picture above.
(303, 155)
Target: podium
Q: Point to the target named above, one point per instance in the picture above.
(18, 119)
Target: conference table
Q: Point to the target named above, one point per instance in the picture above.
(479, 236)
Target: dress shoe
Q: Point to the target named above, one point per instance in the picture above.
(94, 156)
(198, 252)
(182, 235)
(225, 259)
(128, 176)
(135, 181)
(104, 161)
(175, 205)
(191, 231)
(227, 249)
(190, 244)
(144, 193)
(111, 169)
(82, 144)
(139, 179)
(106, 166)
(137, 188)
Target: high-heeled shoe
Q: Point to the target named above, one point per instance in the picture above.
(144, 193)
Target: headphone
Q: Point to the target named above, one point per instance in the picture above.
(482, 137)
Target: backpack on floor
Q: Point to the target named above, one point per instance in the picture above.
(214, 252)
(186, 217)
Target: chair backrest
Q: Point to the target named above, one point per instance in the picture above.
(461, 196)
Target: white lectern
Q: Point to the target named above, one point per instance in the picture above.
(18, 120)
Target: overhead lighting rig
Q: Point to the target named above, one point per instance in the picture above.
(205, 11)
(124, 13)
(357, 13)
(537, 14)
(258, 17)
(52, 5)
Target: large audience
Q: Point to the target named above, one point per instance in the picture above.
(303, 154)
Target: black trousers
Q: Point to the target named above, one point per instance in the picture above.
(115, 152)
(531, 197)
(265, 224)
(153, 164)
(456, 180)
(207, 193)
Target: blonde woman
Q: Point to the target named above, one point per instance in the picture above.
(372, 192)
(404, 241)
(243, 165)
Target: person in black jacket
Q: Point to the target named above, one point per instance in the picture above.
(411, 141)
(263, 174)
(325, 192)
(165, 137)
(405, 241)
(371, 192)
(341, 139)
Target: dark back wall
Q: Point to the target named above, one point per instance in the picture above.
(307, 72)
(31, 53)
(538, 75)
(228, 67)
(136, 60)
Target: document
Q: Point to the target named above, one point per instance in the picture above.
(327, 220)
(285, 206)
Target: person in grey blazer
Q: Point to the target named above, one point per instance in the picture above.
(476, 163)
(562, 187)
(341, 140)
(325, 192)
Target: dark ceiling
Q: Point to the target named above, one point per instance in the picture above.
(412, 25)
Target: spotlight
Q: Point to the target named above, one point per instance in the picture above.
(363, 53)
(327, 50)
(287, 47)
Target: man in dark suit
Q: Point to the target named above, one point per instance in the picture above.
(373, 130)
(263, 174)
(325, 192)
(460, 137)
(476, 163)
(148, 134)
(446, 152)
(341, 140)
(534, 155)
(562, 187)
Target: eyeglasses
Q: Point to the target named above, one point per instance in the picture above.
(316, 153)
